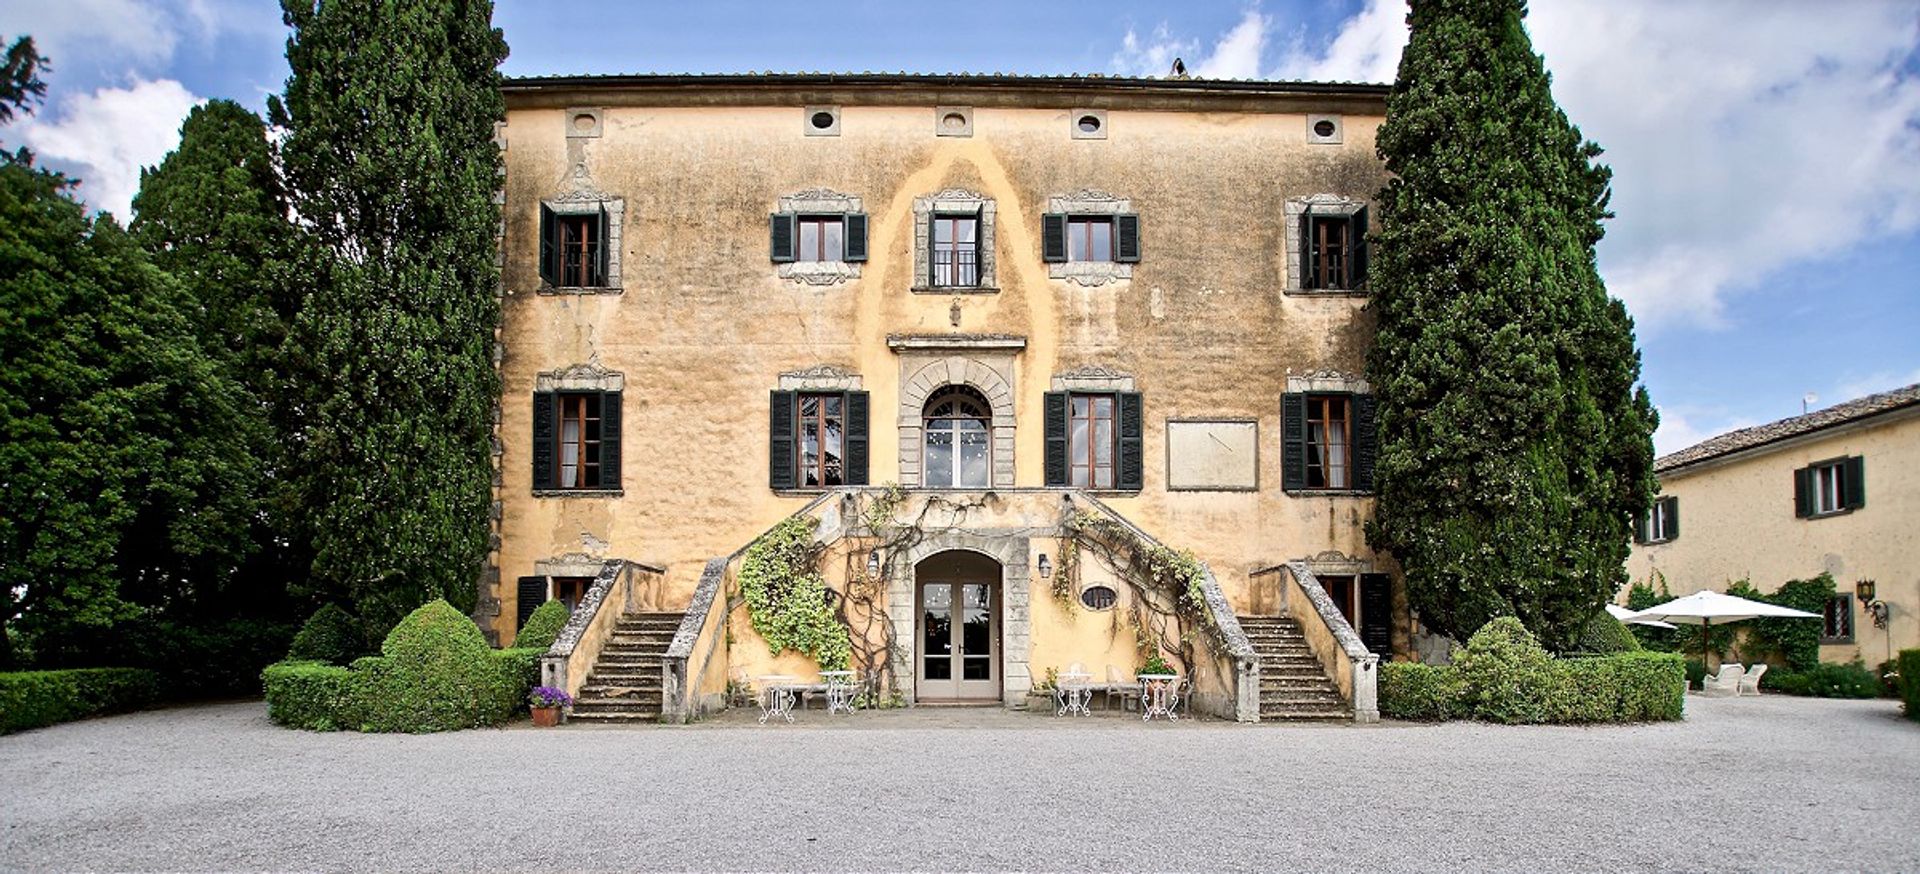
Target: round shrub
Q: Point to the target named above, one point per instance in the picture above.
(1605, 635)
(1410, 690)
(1507, 676)
(435, 673)
(330, 636)
(543, 626)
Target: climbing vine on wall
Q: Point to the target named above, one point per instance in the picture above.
(1169, 585)
(788, 600)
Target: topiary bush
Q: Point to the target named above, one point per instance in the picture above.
(1624, 687)
(312, 695)
(1907, 665)
(31, 699)
(1605, 635)
(1410, 690)
(542, 626)
(1506, 676)
(330, 635)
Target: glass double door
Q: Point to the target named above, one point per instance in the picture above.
(959, 651)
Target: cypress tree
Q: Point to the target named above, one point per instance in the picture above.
(389, 152)
(1515, 446)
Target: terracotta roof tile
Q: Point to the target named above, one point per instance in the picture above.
(1760, 435)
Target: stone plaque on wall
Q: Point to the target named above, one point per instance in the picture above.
(1213, 455)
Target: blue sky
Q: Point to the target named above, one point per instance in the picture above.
(1766, 152)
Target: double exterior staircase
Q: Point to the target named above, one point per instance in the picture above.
(624, 685)
(1293, 685)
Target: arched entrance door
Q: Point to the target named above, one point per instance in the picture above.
(957, 635)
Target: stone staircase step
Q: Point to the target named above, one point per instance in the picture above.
(624, 684)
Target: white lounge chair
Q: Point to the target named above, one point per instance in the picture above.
(1727, 682)
(1750, 682)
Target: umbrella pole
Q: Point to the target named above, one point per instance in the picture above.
(1704, 622)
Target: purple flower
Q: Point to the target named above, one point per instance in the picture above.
(548, 696)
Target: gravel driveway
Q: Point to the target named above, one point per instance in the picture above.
(1749, 784)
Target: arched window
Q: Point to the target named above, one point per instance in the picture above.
(957, 438)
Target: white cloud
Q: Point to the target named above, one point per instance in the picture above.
(1236, 55)
(110, 134)
(129, 33)
(1681, 427)
(1852, 387)
(1153, 56)
(1367, 48)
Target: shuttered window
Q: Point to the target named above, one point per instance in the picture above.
(1070, 237)
(817, 439)
(576, 441)
(1661, 522)
(1093, 440)
(1333, 248)
(1329, 442)
(833, 237)
(1830, 487)
(573, 247)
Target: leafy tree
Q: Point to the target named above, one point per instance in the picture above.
(122, 470)
(1515, 446)
(390, 111)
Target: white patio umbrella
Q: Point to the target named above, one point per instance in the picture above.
(1626, 616)
(1707, 609)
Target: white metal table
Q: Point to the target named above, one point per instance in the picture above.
(841, 690)
(1075, 692)
(776, 697)
(1159, 695)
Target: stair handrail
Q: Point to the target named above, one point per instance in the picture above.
(688, 660)
(1352, 667)
(568, 661)
(1238, 648)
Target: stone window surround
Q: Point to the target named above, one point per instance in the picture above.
(1335, 563)
(953, 200)
(1322, 204)
(820, 201)
(1092, 378)
(1339, 129)
(1013, 550)
(580, 377)
(959, 367)
(822, 377)
(595, 117)
(587, 201)
(1327, 382)
(1089, 202)
(940, 128)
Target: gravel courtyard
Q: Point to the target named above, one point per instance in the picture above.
(1749, 784)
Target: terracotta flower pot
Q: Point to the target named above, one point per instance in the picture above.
(546, 717)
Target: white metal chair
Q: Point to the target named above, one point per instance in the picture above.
(1750, 681)
(1727, 682)
(1121, 689)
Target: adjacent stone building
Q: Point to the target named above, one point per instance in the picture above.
(1834, 491)
(1081, 323)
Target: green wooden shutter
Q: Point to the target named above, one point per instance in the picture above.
(1672, 531)
(602, 249)
(1131, 471)
(1641, 525)
(532, 593)
(1803, 492)
(854, 428)
(1126, 238)
(1053, 409)
(1053, 237)
(1376, 614)
(780, 443)
(549, 246)
(855, 233)
(1309, 279)
(610, 440)
(1357, 246)
(780, 229)
(1853, 483)
(543, 415)
(1293, 441)
(1366, 441)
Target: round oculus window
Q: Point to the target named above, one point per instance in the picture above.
(1099, 597)
(954, 121)
(1089, 124)
(583, 122)
(1323, 128)
(822, 120)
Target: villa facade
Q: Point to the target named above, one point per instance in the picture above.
(1005, 343)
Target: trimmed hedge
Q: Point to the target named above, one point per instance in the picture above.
(1505, 676)
(31, 699)
(543, 626)
(1825, 680)
(435, 673)
(1908, 664)
(1605, 635)
(331, 636)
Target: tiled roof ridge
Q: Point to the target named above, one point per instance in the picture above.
(1089, 78)
(1806, 423)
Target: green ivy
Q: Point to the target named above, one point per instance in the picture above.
(788, 600)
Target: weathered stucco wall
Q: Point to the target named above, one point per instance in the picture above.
(1737, 522)
(703, 325)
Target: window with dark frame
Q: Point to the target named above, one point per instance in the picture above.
(821, 238)
(577, 449)
(1330, 249)
(579, 250)
(956, 251)
(1329, 442)
(1340, 588)
(821, 433)
(1333, 249)
(574, 246)
(1662, 522)
(571, 591)
(1829, 487)
(1089, 238)
(1837, 623)
(1090, 440)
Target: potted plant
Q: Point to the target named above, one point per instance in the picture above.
(545, 702)
(1155, 665)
